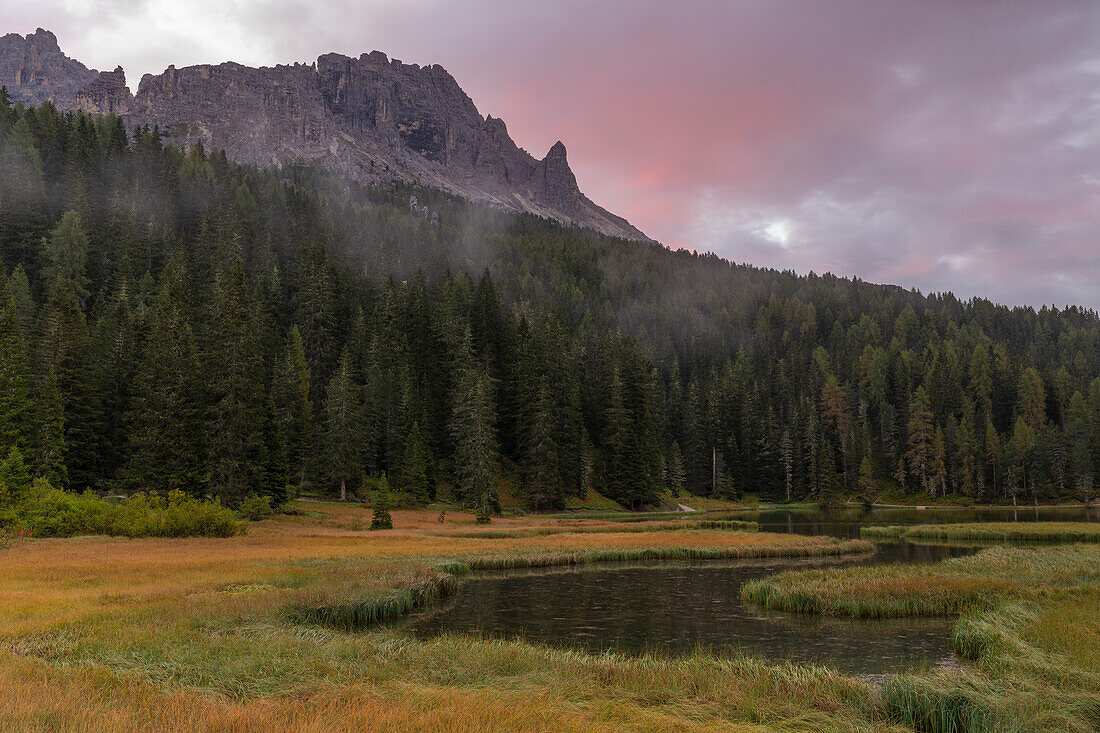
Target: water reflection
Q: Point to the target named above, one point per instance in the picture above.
(846, 521)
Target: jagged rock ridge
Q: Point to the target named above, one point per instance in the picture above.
(370, 118)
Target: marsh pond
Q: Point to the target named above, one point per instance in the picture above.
(675, 608)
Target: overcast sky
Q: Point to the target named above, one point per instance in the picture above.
(938, 144)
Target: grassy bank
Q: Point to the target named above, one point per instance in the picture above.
(949, 587)
(1030, 622)
(101, 634)
(991, 532)
(727, 525)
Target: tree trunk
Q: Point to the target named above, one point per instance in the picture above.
(343, 490)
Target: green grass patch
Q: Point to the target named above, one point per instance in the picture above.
(1036, 668)
(992, 531)
(880, 534)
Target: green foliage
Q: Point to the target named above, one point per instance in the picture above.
(255, 507)
(415, 471)
(15, 476)
(380, 518)
(50, 512)
(170, 320)
(343, 428)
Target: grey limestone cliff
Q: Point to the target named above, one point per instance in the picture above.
(370, 118)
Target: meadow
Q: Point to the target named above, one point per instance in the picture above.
(280, 628)
(250, 633)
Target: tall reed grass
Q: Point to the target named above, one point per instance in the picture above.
(945, 588)
(357, 614)
(728, 525)
(1002, 531)
(635, 554)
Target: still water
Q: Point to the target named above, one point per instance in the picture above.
(673, 608)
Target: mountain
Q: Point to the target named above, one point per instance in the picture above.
(370, 118)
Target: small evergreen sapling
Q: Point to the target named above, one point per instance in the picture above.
(381, 518)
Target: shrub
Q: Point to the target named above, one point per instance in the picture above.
(50, 512)
(255, 508)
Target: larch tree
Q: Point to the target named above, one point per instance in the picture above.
(922, 436)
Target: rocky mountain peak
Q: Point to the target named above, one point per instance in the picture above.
(371, 118)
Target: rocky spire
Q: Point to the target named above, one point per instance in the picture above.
(371, 118)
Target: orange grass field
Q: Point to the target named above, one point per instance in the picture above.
(104, 634)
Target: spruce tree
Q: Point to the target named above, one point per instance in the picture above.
(16, 404)
(293, 408)
(15, 477)
(66, 253)
(236, 448)
(543, 459)
(677, 472)
(50, 453)
(415, 472)
(381, 519)
(342, 428)
(921, 438)
(473, 430)
(165, 421)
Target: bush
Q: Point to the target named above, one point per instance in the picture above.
(50, 512)
(255, 508)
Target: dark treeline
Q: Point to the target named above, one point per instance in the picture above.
(170, 320)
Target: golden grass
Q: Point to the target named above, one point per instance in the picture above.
(991, 532)
(949, 587)
(105, 634)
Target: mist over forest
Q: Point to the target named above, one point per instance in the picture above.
(172, 319)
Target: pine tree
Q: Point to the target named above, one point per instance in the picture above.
(1019, 450)
(968, 451)
(866, 479)
(1033, 402)
(937, 470)
(786, 455)
(1081, 456)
